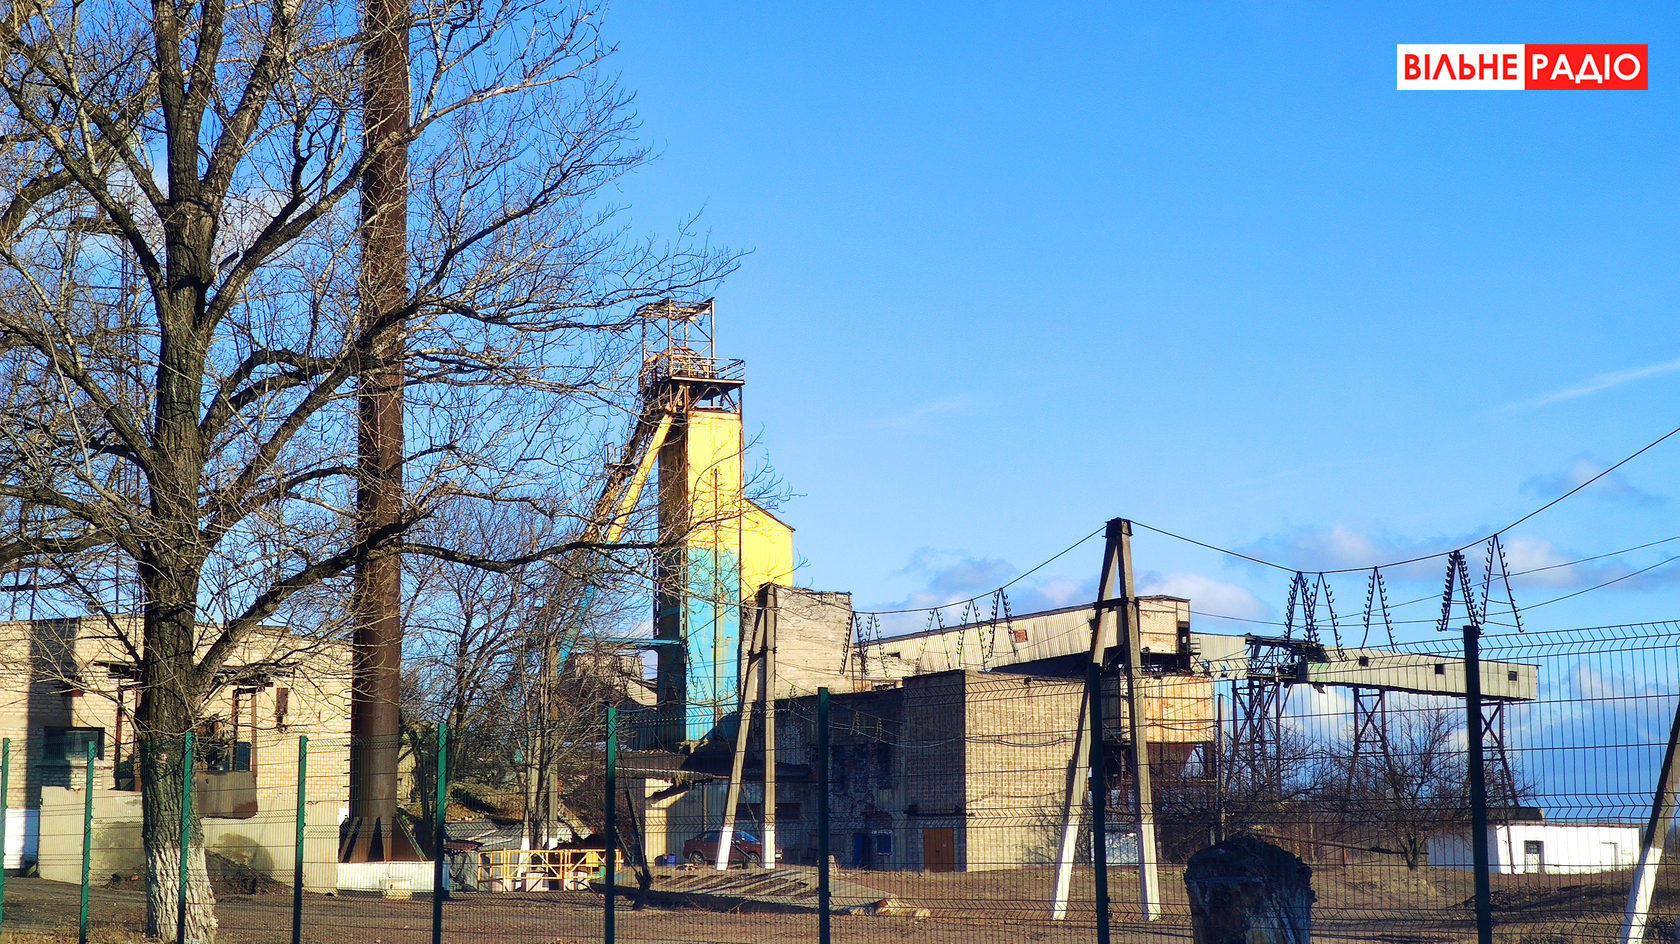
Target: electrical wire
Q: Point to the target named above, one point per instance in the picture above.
(1616, 580)
(981, 596)
(1423, 557)
(1435, 597)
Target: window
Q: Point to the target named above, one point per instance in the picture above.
(69, 745)
(218, 749)
(883, 845)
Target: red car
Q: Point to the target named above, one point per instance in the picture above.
(703, 849)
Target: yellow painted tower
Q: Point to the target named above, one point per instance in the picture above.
(720, 547)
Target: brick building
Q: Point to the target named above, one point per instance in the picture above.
(69, 683)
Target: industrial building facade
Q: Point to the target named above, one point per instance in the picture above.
(66, 684)
(932, 768)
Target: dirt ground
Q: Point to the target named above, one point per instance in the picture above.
(1378, 905)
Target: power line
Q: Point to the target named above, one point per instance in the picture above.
(1520, 573)
(981, 596)
(1222, 550)
(1422, 557)
(1606, 583)
(1586, 560)
(1644, 449)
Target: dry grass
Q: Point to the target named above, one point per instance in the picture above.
(1368, 904)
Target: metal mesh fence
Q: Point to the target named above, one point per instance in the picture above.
(942, 812)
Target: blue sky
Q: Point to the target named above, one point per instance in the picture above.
(1016, 270)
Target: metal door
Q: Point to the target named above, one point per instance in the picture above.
(939, 849)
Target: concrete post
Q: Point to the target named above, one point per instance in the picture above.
(1656, 834)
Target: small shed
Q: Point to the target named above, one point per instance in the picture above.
(1541, 848)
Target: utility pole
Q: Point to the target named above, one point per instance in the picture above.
(371, 832)
(1116, 594)
(743, 728)
(1656, 835)
(760, 649)
(1131, 656)
(768, 602)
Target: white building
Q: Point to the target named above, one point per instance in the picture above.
(1542, 848)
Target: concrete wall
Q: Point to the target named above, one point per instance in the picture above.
(984, 755)
(1566, 848)
(1026, 638)
(1427, 674)
(934, 758)
(672, 821)
(116, 834)
(1177, 709)
(1020, 736)
(265, 843)
(813, 641)
(766, 550)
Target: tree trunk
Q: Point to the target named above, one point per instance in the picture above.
(635, 849)
(160, 799)
(172, 693)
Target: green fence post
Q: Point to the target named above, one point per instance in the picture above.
(5, 787)
(1478, 787)
(186, 835)
(87, 844)
(822, 816)
(609, 926)
(440, 875)
(297, 849)
(1099, 800)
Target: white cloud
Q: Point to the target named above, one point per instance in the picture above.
(1604, 381)
(1538, 560)
(1206, 594)
(1060, 591)
(1341, 548)
(918, 416)
(1614, 486)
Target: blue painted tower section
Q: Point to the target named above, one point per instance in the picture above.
(712, 617)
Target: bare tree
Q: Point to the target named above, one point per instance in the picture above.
(181, 317)
(518, 664)
(1394, 799)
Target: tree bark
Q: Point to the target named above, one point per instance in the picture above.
(160, 803)
(173, 681)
